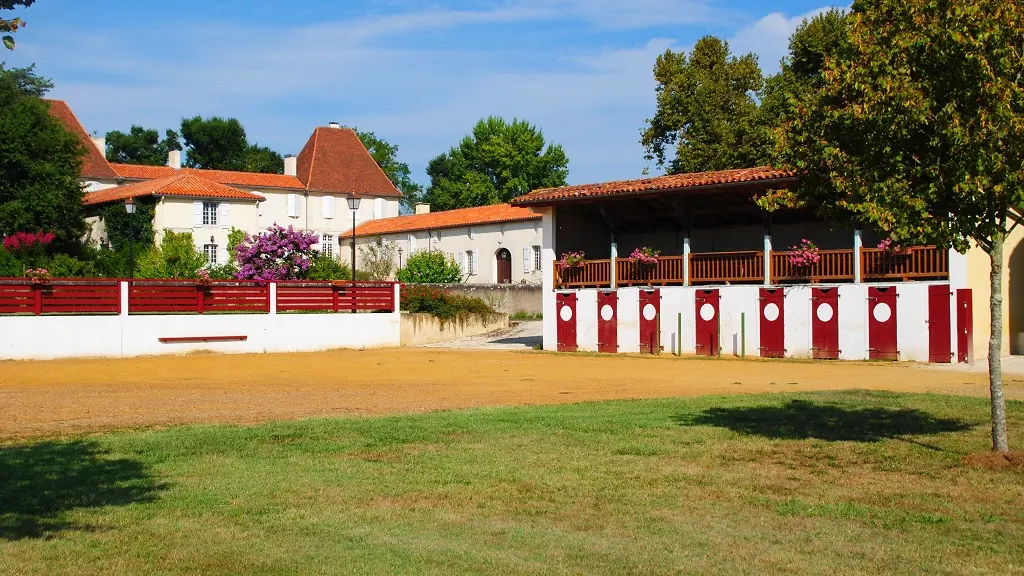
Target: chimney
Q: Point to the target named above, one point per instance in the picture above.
(422, 208)
(100, 143)
(333, 125)
(291, 165)
(174, 159)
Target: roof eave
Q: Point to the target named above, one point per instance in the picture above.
(527, 201)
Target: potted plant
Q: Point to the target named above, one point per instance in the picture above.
(891, 248)
(38, 275)
(572, 259)
(804, 255)
(203, 278)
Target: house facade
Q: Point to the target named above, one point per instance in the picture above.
(731, 277)
(310, 195)
(497, 244)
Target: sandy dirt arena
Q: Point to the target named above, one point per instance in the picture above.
(76, 396)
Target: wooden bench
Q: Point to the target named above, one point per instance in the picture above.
(185, 339)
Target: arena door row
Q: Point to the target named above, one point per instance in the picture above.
(882, 322)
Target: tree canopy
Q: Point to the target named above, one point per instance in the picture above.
(497, 162)
(221, 144)
(39, 164)
(12, 24)
(926, 142)
(386, 156)
(141, 146)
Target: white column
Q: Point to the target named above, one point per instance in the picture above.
(612, 267)
(547, 272)
(767, 257)
(858, 243)
(686, 259)
(273, 299)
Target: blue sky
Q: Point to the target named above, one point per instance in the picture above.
(419, 74)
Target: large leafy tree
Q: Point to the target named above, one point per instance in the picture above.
(386, 156)
(262, 159)
(141, 146)
(918, 127)
(497, 162)
(215, 143)
(706, 116)
(39, 164)
(12, 24)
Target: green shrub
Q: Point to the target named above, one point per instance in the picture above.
(176, 257)
(429, 267)
(109, 263)
(223, 272)
(10, 267)
(64, 266)
(325, 268)
(440, 303)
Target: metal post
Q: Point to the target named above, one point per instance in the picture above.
(131, 246)
(679, 334)
(743, 334)
(718, 321)
(353, 245)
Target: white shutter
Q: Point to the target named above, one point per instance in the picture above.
(527, 260)
(476, 262)
(378, 208)
(197, 214)
(222, 255)
(412, 244)
(293, 205)
(462, 262)
(225, 215)
(328, 206)
(472, 235)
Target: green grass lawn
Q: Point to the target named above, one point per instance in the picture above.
(836, 483)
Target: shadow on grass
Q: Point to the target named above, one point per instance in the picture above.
(800, 419)
(40, 484)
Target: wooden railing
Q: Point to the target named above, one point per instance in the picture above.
(591, 273)
(668, 271)
(96, 296)
(832, 266)
(722, 267)
(916, 263)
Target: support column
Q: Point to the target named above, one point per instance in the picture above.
(858, 243)
(686, 259)
(767, 255)
(612, 267)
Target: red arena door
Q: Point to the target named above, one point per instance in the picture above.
(706, 314)
(608, 322)
(565, 302)
(964, 324)
(773, 323)
(825, 323)
(940, 349)
(650, 321)
(882, 323)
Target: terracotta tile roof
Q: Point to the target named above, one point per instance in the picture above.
(335, 160)
(643, 186)
(247, 179)
(94, 164)
(494, 214)
(178, 184)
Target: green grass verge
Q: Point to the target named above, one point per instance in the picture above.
(837, 483)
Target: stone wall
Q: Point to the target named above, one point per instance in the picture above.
(504, 298)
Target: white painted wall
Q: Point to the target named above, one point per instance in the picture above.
(586, 320)
(48, 337)
(550, 333)
(178, 214)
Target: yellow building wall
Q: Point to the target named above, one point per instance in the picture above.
(978, 269)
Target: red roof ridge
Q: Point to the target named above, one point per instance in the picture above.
(459, 217)
(94, 163)
(312, 155)
(188, 185)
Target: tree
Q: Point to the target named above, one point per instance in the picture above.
(378, 258)
(39, 164)
(919, 128)
(215, 143)
(262, 159)
(124, 228)
(141, 146)
(705, 110)
(12, 24)
(429, 267)
(494, 164)
(386, 156)
(176, 257)
(277, 254)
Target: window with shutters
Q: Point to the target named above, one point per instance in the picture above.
(536, 257)
(327, 244)
(327, 204)
(210, 210)
(210, 251)
(470, 264)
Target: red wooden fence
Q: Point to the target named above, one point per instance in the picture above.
(18, 296)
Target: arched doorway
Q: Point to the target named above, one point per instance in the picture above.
(504, 266)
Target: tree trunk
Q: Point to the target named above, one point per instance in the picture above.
(995, 347)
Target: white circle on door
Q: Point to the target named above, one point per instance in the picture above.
(825, 312)
(607, 312)
(707, 312)
(882, 312)
(771, 312)
(565, 313)
(650, 312)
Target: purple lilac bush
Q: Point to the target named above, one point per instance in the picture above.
(277, 254)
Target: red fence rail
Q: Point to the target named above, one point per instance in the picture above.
(102, 296)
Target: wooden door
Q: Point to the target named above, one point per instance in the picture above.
(882, 339)
(773, 323)
(706, 309)
(825, 323)
(504, 263)
(608, 321)
(940, 349)
(650, 321)
(964, 324)
(566, 306)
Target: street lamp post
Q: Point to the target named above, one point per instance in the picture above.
(399, 257)
(129, 207)
(353, 205)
